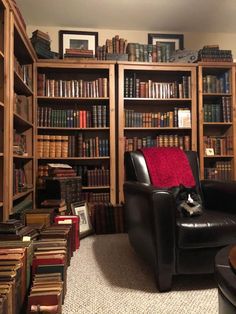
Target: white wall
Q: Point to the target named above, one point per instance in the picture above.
(193, 41)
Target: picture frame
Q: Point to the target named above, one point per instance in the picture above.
(77, 39)
(209, 152)
(174, 41)
(81, 209)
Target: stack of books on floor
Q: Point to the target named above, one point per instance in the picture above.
(33, 265)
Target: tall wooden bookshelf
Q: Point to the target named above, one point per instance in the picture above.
(157, 107)
(4, 100)
(76, 124)
(216, 88)
(21, 117)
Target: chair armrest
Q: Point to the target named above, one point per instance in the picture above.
(150, 217)
(219, 195)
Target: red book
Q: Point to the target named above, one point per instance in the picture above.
(53, 260)
(74, 220)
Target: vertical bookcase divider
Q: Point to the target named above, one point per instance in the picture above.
(157, 107)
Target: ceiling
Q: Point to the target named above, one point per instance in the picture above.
(155, 15)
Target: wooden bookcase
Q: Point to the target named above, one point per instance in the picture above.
(150, 99)
(76, 123)
(21, 117)
(4, 108)
(216, 89)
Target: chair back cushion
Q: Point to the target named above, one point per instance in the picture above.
(136, 167)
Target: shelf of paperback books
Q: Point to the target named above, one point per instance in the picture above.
(76, 123)
(216, 120)
(157, 107)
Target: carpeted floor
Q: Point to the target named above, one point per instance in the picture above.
(107, 277)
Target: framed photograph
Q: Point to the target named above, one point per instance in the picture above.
(81, 209)
(210, 152)
(170, 42)
(77, 40)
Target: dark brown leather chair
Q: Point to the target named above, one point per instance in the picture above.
(177, 245)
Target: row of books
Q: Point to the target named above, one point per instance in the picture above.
(19, 144)
(78, 53)
(107, 218)
(21, 105)
(57, 146)
(96, 117)
(95, 197)
(212, 53)
(218, 112)
(149, 53)
(222, 170)
(24, 71)
(112, 49)
(72, 88)
(216, 83)
(162, 140)
(222, 145)
(20, 183)
(135, 88)
(90, 174)
(180, 117)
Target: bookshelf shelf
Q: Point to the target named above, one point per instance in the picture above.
(73, 129)
(21, 86)
(1, 204)
(149, 103)
(216, 94)
(21, 122)
(1, 154)
(22, 194)
(72, 98)
(95, 187)
(1, 54)
(83, 126)
(75, 158)
(157, 99)
(1, 104)
(155, 128)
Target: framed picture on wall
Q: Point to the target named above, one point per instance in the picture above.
(175, 41)
(81, 40)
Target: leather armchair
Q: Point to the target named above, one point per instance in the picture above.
(176, 245)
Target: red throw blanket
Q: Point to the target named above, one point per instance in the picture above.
(168, 167)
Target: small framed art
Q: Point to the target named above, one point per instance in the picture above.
(174, 41)
(80, 40)
(81, 209)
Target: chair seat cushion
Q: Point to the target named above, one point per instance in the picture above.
(211, 229)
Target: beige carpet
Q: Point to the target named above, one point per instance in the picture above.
(107, 277)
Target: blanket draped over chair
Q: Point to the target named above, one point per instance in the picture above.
(168, 167)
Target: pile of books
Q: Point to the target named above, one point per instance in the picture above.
(78, 53)
(42, 45)
(212, 53)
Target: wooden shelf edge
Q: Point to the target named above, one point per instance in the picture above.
(19, 195)
(71, 98)
(73, 158)
(95, 187)
(1, 204)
